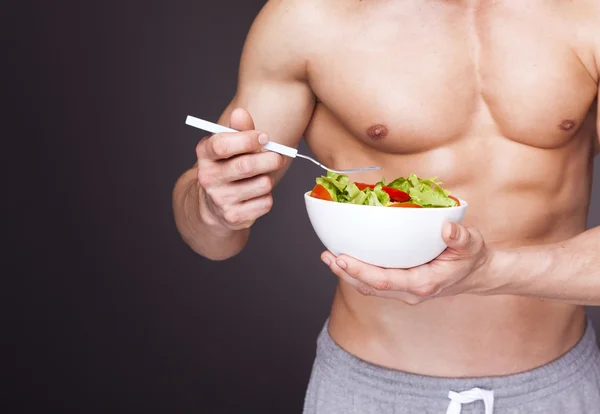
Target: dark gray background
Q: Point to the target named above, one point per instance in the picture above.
(108, 310)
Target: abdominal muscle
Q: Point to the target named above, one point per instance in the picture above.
(519, 196)
(461, 336)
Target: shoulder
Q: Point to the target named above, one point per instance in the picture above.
(587, 27)
(284, 31)
(286, 22)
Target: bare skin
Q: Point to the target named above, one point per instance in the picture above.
(497, 99)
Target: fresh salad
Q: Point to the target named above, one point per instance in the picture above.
(411, 191)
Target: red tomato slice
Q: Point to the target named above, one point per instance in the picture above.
(395, 195)
(405, 205)
(455, 199)
(321, 192)
(362, 186)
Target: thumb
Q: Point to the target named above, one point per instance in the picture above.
(456, 236)
(241, 120)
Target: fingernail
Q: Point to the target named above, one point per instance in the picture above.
(326, 261)
(263, 138)
(453, 231)
(341, 264)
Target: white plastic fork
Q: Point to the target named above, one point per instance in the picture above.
(271, 146)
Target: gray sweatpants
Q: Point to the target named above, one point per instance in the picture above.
(341, 383)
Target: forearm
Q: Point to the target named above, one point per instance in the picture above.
(206, 237)
(568, 271)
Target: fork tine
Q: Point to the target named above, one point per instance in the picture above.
(353, 170)
(348, 171)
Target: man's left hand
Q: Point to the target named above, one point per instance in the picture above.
(458, 269)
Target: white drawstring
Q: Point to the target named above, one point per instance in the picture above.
(469, 396)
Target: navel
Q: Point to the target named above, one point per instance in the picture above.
(567, 125)
(377, 132)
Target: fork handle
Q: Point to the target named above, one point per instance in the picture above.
(216, 128)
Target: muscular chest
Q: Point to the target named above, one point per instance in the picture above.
(409, 78)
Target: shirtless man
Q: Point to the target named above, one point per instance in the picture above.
(496, 98)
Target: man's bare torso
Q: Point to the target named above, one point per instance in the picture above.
(495, 98)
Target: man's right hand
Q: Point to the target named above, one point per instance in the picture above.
(235, 175)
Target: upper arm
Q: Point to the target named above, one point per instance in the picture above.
(272, 80)
(587, 15)
(597, 143)
(597, 123)
(596, 42)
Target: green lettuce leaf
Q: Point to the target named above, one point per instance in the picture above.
(350, 193)
(428, 192)
(371, 198)
(430, 198)
(401, 184)
(332, 189)
(338, 180)
(382, 196)
(335, 184)
(382, 182)
(360, 198)
(424, 192)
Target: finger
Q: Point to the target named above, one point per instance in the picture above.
(329, 259)
(364, 288)
(374, 276)
(245, 213)
(456, 236)
(414, 281)
(250, 165)
(251, 188)
(227, 195)
(241, 120)
(239, 191)
(229, 144)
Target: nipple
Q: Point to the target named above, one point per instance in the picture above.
(377, 132)
(567, 125)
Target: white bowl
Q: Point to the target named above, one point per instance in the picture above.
(390, 237)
